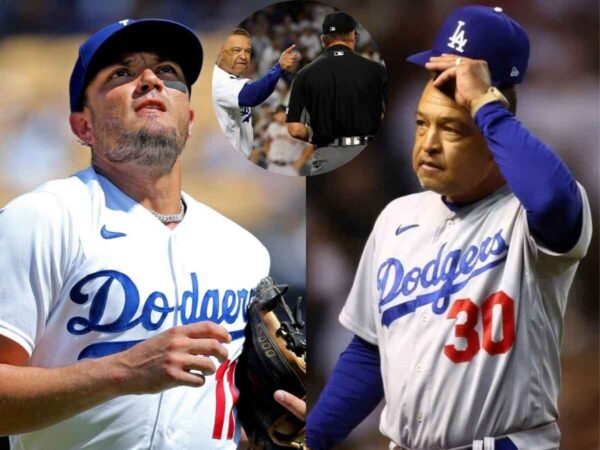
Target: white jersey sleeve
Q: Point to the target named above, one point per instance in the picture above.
(226, 89)
(358, 314)
(36, 245)
(553, 272)
(234, 120)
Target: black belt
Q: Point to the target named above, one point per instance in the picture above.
(348, 141)
(280, 163)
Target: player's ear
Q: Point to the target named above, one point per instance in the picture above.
(81, 127)
(191, 122)
(220, 55)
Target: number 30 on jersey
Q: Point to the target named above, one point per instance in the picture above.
(503, 305)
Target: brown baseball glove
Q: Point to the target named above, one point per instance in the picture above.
(273, 357)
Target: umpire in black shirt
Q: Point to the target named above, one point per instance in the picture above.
(337, 101)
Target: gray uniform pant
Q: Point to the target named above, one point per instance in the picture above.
(326, 159)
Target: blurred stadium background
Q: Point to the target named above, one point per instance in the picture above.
(558, 101)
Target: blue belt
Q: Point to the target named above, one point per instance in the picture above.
(501, 444)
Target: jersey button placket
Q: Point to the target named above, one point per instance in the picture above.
(178, 276)
(421, 378)
(450, 222)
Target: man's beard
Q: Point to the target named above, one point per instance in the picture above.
(156, 150)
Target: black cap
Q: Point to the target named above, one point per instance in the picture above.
(338, 22)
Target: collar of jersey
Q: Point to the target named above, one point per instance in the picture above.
(337, 47)
(230, 75)
(454, 207)
(128, 204)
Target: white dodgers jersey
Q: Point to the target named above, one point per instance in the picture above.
(234, 120)
(85, 271)
(467, 310)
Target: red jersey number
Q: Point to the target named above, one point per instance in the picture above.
(467, 330)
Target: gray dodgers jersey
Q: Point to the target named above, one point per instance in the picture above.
(467, 310)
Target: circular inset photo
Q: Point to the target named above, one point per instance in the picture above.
(299, 88)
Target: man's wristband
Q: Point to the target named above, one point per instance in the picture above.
(491, 95)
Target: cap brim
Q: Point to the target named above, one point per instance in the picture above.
(422, 57)
(170, 39)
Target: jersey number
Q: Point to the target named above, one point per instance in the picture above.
(224, 377)
(467, 331)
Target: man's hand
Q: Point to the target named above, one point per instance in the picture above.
(36, 397)
(472, 76)
(298, 131)
(288, 57)
(165, 360)
(292, 403)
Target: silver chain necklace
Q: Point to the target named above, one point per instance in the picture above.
(170, 218)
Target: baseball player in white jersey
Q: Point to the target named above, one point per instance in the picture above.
(234, 95)
(285, 155)
(122, 299)
(459, 296)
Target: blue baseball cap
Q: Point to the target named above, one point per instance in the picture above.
(482, 32)
(168, 38)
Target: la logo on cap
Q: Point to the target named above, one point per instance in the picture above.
(124, 22)
(331, 28)
(457, 41)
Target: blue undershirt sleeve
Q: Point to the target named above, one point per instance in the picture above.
(353, 391)
(256, 92)
(540, 180)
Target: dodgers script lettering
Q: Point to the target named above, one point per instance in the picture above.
(451, 271)
(214, 305)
